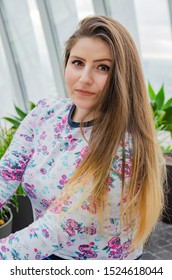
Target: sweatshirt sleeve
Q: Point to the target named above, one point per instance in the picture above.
(17, 156)
(37, 241)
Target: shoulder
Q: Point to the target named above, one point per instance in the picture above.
(58, 103)
(49, 107)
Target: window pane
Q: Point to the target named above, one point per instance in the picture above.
(156, 42)
(27, 40)
(7, 95)
(65, 19)
(84, 8)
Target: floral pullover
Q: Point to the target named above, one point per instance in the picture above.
(44, 153)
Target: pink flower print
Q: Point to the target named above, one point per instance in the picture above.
(64, 120)
(87, 251)
(71, 227)
(30, 190)
(84, 151)
(63, 181)
(58, 128)
(87, 206)
(47, 203)
(116, 254)
(43, 135)
(27, 138)
(69, 243)
(3, 240)
(56, 207)
(126, 245)
(4, 249)
(43, 171)
(8, 176)
(114, 242)
(45, 232)
(91, 230)
(128, 166)
(72, 142)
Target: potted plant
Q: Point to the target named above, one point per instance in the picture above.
(162, 113)
(11, 210)
(6, 215)
(6, 218)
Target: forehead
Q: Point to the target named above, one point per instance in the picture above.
(91, 46)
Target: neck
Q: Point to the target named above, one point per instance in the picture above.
(79, 114)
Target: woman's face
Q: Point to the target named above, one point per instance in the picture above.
(86, 73)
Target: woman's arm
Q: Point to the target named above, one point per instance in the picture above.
(17, 156)
(39, 240)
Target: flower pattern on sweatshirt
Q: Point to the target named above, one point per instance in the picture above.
(45, 152)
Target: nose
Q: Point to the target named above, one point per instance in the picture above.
(86, 76)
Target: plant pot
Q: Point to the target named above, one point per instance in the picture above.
(6, 229)
(167, 214)
(24, 216)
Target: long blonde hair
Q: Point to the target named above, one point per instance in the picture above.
(124, 106)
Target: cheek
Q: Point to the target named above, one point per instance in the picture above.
(101, 82)
(70, 77)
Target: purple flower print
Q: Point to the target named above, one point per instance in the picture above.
(38, 213)
(114, 242)
(119, 168)
(10, 176)
(56, 207)
(43, 135)
(43, 171)
(47, 203)
(91, 230)
(86, 251)
(4, 249)
(30, 190)
(63, 181)
(58, 128)
(114, 248)
(27, 138)
(45, 233)
(71, 227)
(116, 254)
(72, 142)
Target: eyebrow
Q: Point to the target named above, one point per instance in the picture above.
(96, 60)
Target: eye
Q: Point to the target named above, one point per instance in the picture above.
(77, 62)
(104, 67)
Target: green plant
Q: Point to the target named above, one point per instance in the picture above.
(16, 120)
(162, 114)
(6, 135)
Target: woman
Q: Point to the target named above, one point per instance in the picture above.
(89, 163)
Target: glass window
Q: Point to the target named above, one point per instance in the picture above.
(156, 42)
(148, 21)
(84, 8)
(29, 48)
(7, 94)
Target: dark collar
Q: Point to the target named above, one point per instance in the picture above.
(77, 124)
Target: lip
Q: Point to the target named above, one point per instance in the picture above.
(84, 92)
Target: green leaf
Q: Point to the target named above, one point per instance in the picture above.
(151, 92)
(168, 116)
(31, 105)
(160, 98)
(167, 104)
(20, 112)
(13, 121)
